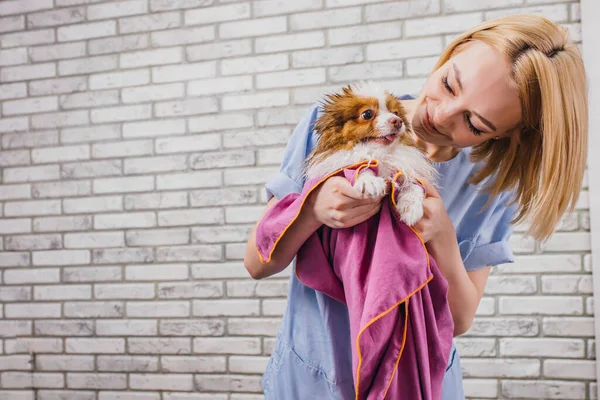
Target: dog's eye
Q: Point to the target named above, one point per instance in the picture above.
(396, 113)
(367, 115)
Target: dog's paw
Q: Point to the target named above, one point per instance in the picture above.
(370, 185)
(410, 206)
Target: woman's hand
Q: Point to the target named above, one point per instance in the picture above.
(435, 227)
(339, 205)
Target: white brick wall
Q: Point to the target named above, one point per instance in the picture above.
(135, 137)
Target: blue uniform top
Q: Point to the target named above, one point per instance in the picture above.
(312, 355)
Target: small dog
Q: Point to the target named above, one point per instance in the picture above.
(365, 122)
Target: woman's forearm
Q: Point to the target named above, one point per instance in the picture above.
(287, 247)
(463, 295)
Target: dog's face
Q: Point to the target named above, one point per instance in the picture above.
(362, 114)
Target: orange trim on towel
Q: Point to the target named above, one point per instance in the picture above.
(361, 164)
(401, 349)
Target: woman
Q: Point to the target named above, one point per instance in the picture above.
(503, 117)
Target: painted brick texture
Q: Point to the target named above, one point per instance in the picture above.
(135, 137)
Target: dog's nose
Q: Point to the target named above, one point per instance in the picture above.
(395, 121)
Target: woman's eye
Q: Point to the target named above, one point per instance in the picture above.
(472, 128)
(445, 82)
(367, 115)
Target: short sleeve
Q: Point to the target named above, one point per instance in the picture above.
(492, 246)
(291, 173)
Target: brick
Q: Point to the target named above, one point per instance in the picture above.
(58, 86)
(567, 284)
(501, 368)
(441, 25)
(93, 133)
(404, 49)
(33, 345)
(15, 328)
(572, 241)
(64, 292)
(93, 309)
(21, 7)
(15, 293)
(300, 77)
(514, 326)
(23, 380)
(144, 58)
(58, 224)
(13, 56)
(325, 19)
(247, 364)
(56, 120)
(124, 184)
(107, 395)
(61, 257)
(127, 363)
(94, 240)
(14, 23)
(326, 57)
(118, 44)
(235, 251)
(252, 289)
(153, 93)
(251, 65)
(64, 363)
(568, 326)
(176, 108)
(122, 255)
(221, 234)
(256, 138)
(199, 396)
(32, 310)
(190, 290)
(253, 27)
(120, 327)
(221, 121)
(33, 242)
(61, 189)
(274, 7)
(80, 380)
(174, 37)
(213, 15)
(162, 5)
(544, 305)
(89, 99)
(60, 154)
(27, 72)
(570, 369)
(159, 346)
(174, 73)
(33, 139)
(272, 156)
(532, 389)
(223, 49)
(119, 9)
(64, 327)
(542, 264)
(91, 274)
(124, 291)
(147, 165)
(399, 10)
(14, 259)
(189, 180)
(274, 308)
(243, 214)
(189, 253)
(163, 272)
(157, 237)
(219, 85)
(31, 208)
(253, 326)
(542, 347)
(15, 363)
(17, 157)
(125, 220)
(153, 128)
(510, 285)
(228, 383)
(13, 124)
(193, 364)
(150, 22)
(290, 42)
(91, 169)
(481, 388)
(185, 144)
(119, 79)
(31, 174)
(389, 69)
(216, 308)
(179, 382)
(157, 309)
(556, 13)
(465, 5)
(64, 16)
(13, 91)
(150, 201)
(128, 148)
(28, 38)
(92, 204)
(193, 327)
(86, 31)
(18, 191)
(420, 66)
(253, 101)
(238, 176)
(190, 217)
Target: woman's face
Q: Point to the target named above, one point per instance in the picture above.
(468, 100)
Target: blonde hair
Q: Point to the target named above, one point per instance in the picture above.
(544, 160)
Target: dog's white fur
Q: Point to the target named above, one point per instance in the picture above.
(392, 158)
